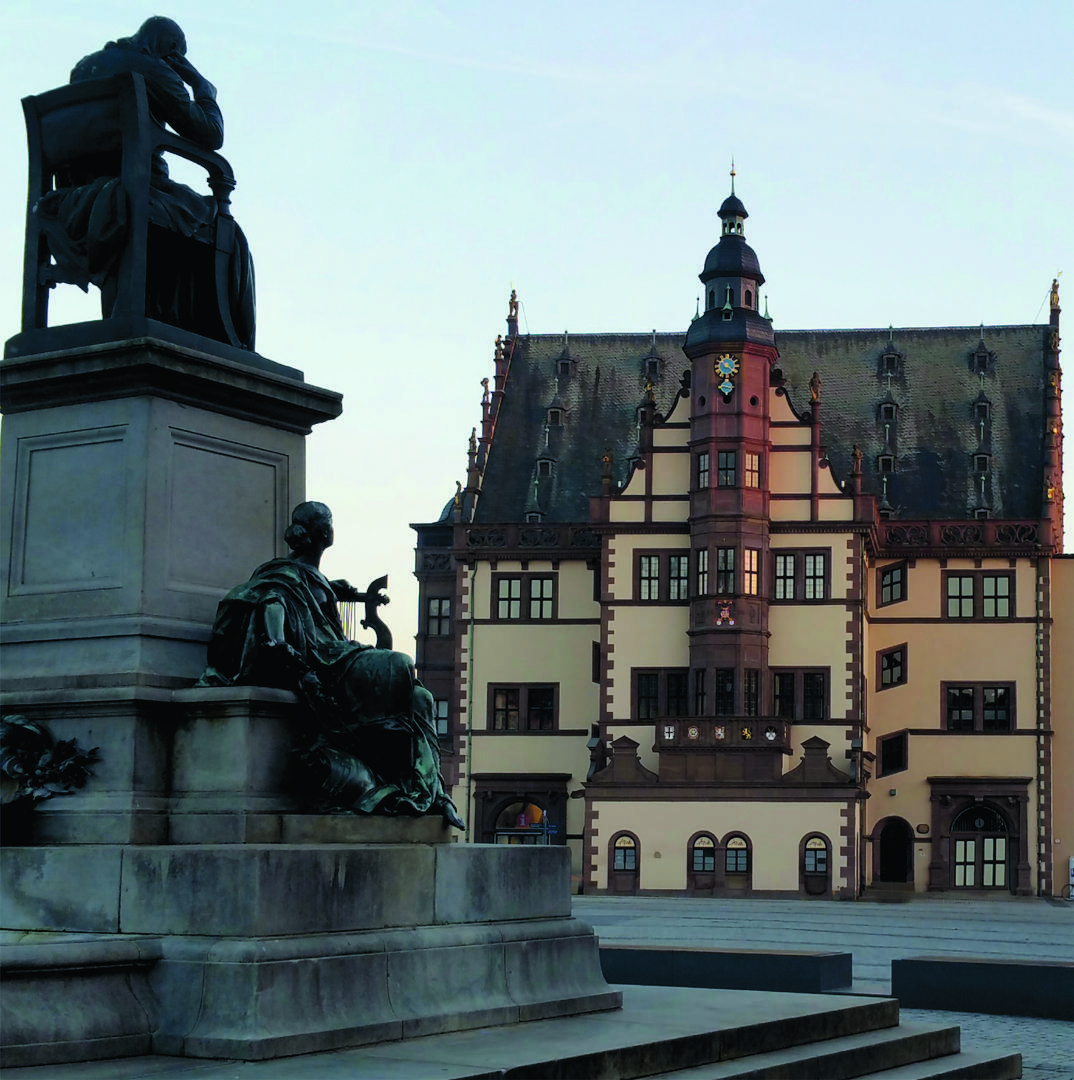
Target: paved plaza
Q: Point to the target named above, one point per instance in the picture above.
(875, 933)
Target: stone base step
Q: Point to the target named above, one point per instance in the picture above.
(836, 1059)
(962, 1066)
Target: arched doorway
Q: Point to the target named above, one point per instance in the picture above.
(979, 849)
(522, 822)
(894, 853)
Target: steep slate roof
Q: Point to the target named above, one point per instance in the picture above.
(935, 388)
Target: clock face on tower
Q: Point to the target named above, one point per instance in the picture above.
(725, 365)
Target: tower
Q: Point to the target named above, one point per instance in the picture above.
(731, 350)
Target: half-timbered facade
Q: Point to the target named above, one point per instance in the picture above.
(756, 612)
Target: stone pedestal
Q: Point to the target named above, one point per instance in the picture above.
(142, 477)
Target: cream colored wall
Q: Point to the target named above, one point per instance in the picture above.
(663, 828)
(924, 587)
(949, 652)
(841, 509)
(530, 754)
(790, 474)
(620, 510)
(809, 635)
(1062, 719)
(576, 592)
(796, 436)
(790, 509)
(531, 653)
(679, 510)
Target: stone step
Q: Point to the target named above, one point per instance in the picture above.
(836, 1059)
(966, 1065)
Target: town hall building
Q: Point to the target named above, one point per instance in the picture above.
(747, 612)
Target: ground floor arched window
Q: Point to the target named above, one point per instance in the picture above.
(624, 858)
(701, 856)
(815, 865)
(737, 863)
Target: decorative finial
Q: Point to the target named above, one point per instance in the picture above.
(814, 386)
(499, 347)
(458, 495)
(1053, 296)
(473, 441)
(732, 174)
(512, 305)
(697, 308)
(766, 315)
(485, 394)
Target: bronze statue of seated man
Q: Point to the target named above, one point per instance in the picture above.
(373, 746)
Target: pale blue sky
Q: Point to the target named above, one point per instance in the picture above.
(403, 165)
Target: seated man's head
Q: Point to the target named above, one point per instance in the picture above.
(310, 528)
(161, 37)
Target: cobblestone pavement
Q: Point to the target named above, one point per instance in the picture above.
(875, 933)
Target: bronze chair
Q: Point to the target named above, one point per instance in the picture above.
(103, 127)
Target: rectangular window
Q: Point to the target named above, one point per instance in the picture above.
(649, 577)
(996, 708)
(892, 752)
(439, 621)
(892, 584)
(509, 598)
(540, 708)
(505, 709)
(676, 693)
(441, 709)
(815, 576)
(816, 860)
(648, 696)
(751, 692)
(984, 707)
(701, 560)
(658, 693)
(524, 597)
(725, 571)
(783, 696)
(727, 468)
(891, 664)
(752, 477)
(526, 708)
(736, 858)
(960, 596)
(751, 579)
(959, 708)
(814, 695)
(995, 596)
(678, 575)
(800, 695)
(725, 691)
(703, 470)
(700, 694)
(785, 576)
(540, 598)
(979, 595)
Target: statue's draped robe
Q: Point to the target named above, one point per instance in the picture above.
(374, 746)
(86, 222)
